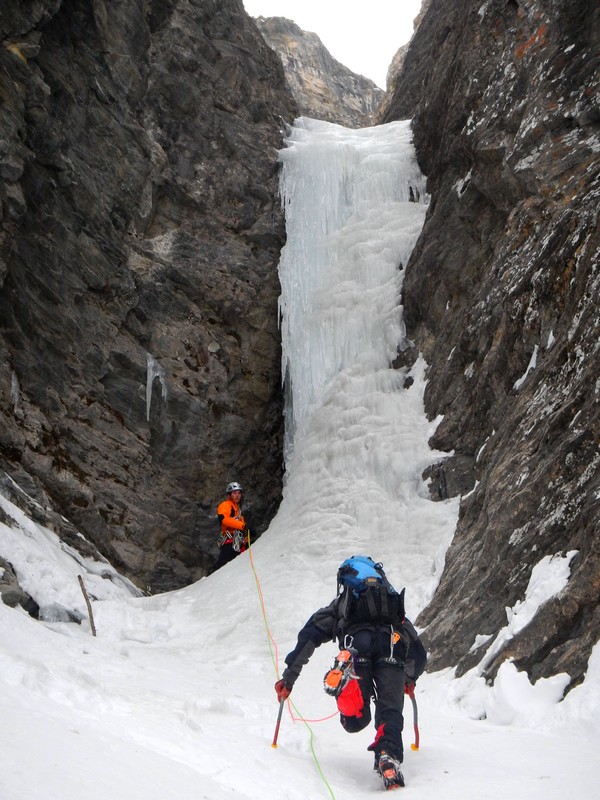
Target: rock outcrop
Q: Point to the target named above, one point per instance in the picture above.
(501, 295)
(322, 87)
(139, 238)
(395, 68)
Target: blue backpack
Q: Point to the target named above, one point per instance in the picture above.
(371, 597)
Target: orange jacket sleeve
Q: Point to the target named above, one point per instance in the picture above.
(230, 517)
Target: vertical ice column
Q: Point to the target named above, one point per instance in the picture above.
(354, 206)
(357, 436)
(153, 370)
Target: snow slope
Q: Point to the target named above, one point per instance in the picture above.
(174, 699)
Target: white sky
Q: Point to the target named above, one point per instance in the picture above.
(362, 36)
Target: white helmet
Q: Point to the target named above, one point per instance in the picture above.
(234, 487)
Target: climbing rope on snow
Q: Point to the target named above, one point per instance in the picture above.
(275, 659)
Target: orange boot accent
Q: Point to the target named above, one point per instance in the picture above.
(338, 676)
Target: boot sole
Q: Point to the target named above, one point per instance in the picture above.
(390, 775)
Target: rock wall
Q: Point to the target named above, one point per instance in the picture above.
(322, 87)
(139, 239)
(501, 295)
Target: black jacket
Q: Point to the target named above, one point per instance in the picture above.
(330, 622)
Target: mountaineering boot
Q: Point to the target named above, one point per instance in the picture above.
(389, 769)
(341, 672)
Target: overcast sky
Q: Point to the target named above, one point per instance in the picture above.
(362, 36)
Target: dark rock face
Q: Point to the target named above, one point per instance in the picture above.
(501, 294)
(11, 593)
(322, 87)
(139, 238)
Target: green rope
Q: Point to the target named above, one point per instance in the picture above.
(312, 750)
(272, 644)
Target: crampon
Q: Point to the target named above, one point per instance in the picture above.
(389, 769)
(341, 673)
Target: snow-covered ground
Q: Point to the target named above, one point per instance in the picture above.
(174, 696)
(174, 699)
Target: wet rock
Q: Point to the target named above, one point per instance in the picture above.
(10, 591)
(451, 477)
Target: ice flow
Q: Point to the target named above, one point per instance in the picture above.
(356, 437)
(350, 229)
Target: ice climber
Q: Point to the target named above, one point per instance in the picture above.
(233, 538)
(381, 659)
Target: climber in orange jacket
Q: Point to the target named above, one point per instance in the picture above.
(233, 538)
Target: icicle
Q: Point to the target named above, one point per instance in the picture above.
(154, 370)
(15, 391)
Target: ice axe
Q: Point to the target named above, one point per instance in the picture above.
(411, 694)
(276, 734)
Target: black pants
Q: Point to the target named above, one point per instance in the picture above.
(226, 554)
(382, 680)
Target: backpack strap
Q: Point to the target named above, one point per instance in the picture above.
(371, 604)
(384, 601)
(381, 604)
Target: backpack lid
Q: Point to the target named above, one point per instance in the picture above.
(371, 599)
(358, 572)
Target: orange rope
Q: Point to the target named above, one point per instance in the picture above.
(275, 659)
(273, 644)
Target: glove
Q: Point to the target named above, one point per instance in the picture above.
(409, 688)
(283, 690)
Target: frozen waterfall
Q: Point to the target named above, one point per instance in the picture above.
(351, 226)
(356, 433)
